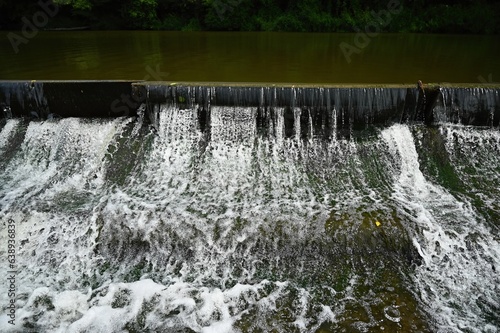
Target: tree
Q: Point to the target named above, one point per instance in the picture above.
(76, 4)
(140, 13)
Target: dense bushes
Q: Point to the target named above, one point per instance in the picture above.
(442, 16)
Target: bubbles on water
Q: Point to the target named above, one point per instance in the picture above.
(7, 131)
(232, 229)
(445, 224)
(392, 313)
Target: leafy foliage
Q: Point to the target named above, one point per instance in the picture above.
(441, 16)
(77, 4)
(140, 13)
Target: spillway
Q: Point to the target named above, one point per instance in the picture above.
(244, 208)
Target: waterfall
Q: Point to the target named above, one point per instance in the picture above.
(459, 249)
(251, 209)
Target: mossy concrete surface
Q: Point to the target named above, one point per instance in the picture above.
(52, 99)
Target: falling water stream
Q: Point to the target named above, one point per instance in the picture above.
(126, 227)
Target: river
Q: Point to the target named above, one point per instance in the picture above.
(251, 57)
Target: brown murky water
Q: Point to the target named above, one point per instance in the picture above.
(251, 57)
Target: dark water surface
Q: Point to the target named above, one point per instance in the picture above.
(251, 57)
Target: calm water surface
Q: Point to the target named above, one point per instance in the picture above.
(251, 57)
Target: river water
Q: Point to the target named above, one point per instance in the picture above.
(251, 57)
(245, 228)
(243, 220)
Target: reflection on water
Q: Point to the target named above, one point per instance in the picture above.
(251, 57)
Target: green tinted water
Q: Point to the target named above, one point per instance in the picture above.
(251, 57)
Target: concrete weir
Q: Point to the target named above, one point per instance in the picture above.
(356, 106)
(46, 99)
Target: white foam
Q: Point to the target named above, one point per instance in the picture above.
(197, 218)
(453, 271)
(7, 132)
(57, 158)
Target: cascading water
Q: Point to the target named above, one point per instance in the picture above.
(460, 250)
(250, 225)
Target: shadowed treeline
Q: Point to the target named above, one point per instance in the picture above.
(442, 16)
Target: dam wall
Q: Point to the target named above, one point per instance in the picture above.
(354, 106)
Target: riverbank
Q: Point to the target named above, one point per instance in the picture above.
(421, 16)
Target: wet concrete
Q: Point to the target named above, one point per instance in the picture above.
(356, 105)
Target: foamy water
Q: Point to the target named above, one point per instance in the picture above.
(460, 251)
(121, 228)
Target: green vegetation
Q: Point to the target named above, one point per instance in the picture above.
(441, 16)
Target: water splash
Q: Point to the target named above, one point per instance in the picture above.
(459, 249)
(225, 226)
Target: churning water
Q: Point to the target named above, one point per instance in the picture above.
(122, 227)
